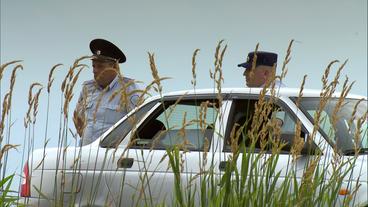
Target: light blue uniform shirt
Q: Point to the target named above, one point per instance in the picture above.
(278, 84)
(108, 111)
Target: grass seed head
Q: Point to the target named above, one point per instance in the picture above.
(3, 66)
(51, 79)
(194, 64)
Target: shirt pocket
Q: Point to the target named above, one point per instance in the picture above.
(112, 114)
(90, 111)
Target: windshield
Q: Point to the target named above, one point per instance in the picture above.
(344, 124)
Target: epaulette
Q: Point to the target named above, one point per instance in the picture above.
(125, 79)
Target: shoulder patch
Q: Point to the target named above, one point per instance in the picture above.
(89, 82)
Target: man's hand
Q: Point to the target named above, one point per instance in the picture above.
(79, 123)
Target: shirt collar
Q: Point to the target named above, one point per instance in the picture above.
(111, 85)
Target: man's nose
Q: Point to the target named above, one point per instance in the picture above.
(94, 69)
(245, 72)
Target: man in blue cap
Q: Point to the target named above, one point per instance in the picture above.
(264, 69)
(108, 97)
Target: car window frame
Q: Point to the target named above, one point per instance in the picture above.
(279, 102)
(154, 103)
(174, 98)
(311, 119)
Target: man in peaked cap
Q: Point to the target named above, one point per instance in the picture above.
(264, 69)
(101, 103)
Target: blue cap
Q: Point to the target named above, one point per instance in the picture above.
(263, 58)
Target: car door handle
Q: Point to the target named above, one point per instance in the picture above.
(222, 165)
(125, 162)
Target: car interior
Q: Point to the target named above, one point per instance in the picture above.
(162, 134)
(241, 115)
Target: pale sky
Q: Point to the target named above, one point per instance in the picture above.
(44, 33)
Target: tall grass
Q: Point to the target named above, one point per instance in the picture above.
(249, 174)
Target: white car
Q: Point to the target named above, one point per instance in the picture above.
(128, 164)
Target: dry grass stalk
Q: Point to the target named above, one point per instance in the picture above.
(77, 64)
(358, 131)
(145, 92)
(328, 89)
(270, 84)
(3, 66)
(69, 76)
(217, 74)
(182, 133)
(263, 108)
(287, 59)
(41, 162)
(154, 72)
(254, 61)
(353, 114)
(222, 57)
(31, 101)
(206, 147)
(194, 64)
(44, 155)
(6, 148)
(51, 79)
(30, 96)
(79, 115)
(172, 107)
(35, 105)
(300, 95)
(3, 115)
(69, 85)
(307, 179)
(203, 115)
(12, 82)
(234, 138)
(345, 90)
(124, 102)
(298, 144)
(326, 74)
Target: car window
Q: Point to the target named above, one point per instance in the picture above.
(342, 122)
(188, 124)
(119, 133)
(325, 123)
(241, 115)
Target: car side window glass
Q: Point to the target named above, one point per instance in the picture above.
(241, 115)
(187, 124)
(119, 133)
(325, 123)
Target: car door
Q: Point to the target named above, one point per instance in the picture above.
(277, 122)
(140, 172)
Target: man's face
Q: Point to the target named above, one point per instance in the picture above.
(103, 72)
(257, 77)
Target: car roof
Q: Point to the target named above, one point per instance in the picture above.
(282, 92)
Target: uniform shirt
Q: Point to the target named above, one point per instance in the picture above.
(278, 84)
(101, 112)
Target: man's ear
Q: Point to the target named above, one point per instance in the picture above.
(266, 73)
(116, 66)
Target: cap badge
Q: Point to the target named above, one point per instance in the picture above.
(98, 52)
